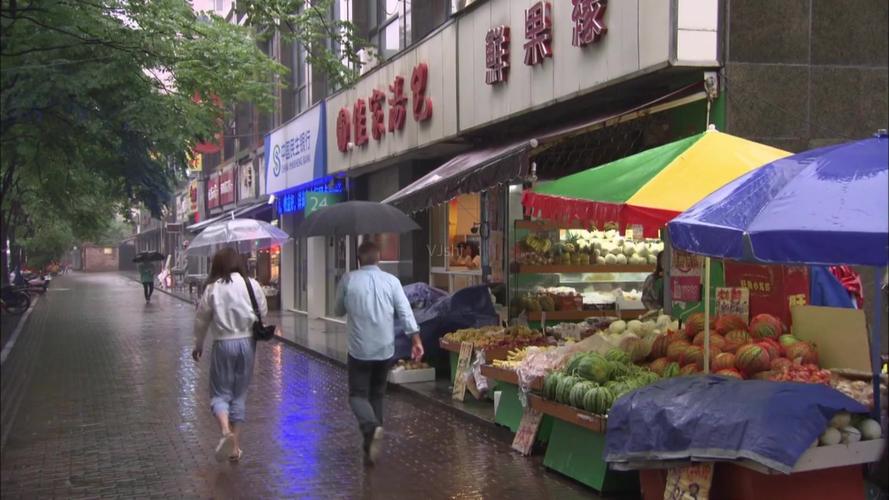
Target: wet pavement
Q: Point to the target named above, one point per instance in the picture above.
(101, 399)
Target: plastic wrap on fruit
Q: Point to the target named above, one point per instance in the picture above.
(481, 382)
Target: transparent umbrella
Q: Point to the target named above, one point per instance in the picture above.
(245, 235)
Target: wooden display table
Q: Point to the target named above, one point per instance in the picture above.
(576, 447)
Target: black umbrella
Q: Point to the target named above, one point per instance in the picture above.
(148, 257)
(357, 217)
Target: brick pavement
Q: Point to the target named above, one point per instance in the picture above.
(110, 405)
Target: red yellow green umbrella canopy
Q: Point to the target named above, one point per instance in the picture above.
(652, 187)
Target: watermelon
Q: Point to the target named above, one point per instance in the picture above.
(694, 324)
(804, 352)
(729, 322)
(598, 400)
(676, 348)
(715, 340)
(752, 358)
(618, 356)
(766, 326)
(787, 340)
(659, 347)
(692, 355)
(649, 377)
(657, 366)
(634, 348)
(735, 339)
(771, 347)
(619, 370)
(563, 390)
(619, 387)
(722, 361)
(671, 370)
(730, 372)
(766, 375)
(575, 397)
(575, 361)
(595, 367)
(550, 383)
(779, 364)
(689, 370)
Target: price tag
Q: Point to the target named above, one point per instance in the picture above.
(524, 437)
(733, 300)
(691, 482)
(463, 372)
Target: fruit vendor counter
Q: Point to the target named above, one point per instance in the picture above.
(576, 444)
(509, 410)
(821, 472)
(453, 349)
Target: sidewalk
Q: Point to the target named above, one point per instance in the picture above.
(329, 340)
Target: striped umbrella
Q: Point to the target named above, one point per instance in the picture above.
(652, 187)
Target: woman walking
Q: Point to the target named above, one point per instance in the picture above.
(226, 311)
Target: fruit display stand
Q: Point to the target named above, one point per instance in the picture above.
(509, 410)
(453, 349)
(566, 262)
(821, 472)
(576, 444)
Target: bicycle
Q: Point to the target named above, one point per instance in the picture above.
(14, 300)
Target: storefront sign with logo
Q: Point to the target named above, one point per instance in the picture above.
(497, 55)
(227, 186)
(685, 277)
(296, 200)
(213, 191)
(296, 152)
(538, 33)
(316, 201)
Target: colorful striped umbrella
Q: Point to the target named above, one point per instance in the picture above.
(652, 187)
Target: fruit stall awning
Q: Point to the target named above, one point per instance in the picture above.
(652, 187)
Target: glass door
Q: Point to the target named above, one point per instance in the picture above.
(301, 281)
(337, 266)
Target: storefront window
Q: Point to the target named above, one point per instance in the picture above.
(455, 243)
(337, 266)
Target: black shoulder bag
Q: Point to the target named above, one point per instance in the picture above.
(260, 332)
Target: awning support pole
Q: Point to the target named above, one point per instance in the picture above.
(706, 314)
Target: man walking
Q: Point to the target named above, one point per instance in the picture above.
(146, 276)
(372, 299)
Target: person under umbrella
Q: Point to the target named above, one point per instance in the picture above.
(373, 299)
(146, 276)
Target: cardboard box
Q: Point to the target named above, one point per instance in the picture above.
(840, 335)
(402, 376)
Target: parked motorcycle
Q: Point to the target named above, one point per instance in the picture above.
(14, 300)
(37, 283)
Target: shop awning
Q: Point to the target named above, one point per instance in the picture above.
(484, 168)
(243, 212)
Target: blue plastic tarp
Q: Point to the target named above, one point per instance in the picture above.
(824, 206)
(468, 308)
(421, 295)
(715, 418)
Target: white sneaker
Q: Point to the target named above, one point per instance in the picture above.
(375, 445)
(225, 448)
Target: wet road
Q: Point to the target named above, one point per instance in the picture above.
(102, 399)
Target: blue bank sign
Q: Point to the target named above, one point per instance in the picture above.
(296, 153)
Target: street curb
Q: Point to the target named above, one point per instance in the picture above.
(391, 387)
(23, 319)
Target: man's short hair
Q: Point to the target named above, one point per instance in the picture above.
(368, 253)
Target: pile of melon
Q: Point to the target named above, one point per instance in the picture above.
(759, 350)
(845, 428)
(592, 381)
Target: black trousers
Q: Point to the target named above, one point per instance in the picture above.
(148, 288)
(367, 386)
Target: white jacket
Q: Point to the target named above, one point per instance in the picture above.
(226, 312)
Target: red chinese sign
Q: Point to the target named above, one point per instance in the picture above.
(359, 119)
(227, 187)
(497, 55)
(213, 192)
(343, 130)
(773, 289)
(685, 276)
(538, 33)
(356, 122)
(422, 104)
(589, 21)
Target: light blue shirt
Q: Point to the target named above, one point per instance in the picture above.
(372, 299)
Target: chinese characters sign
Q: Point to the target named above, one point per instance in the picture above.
(733, 300)
(685, 277)
(497, 55)
(773, 289)
(227, 186)
(589, 23)
(213, 191)
(352, 125)
(690, 482)
(538, 33)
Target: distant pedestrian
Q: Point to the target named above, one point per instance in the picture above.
(146, 275)
(373, 299)
(225, 310)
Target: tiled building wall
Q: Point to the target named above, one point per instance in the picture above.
(806, 73)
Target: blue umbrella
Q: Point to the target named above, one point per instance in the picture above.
(824, 206)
